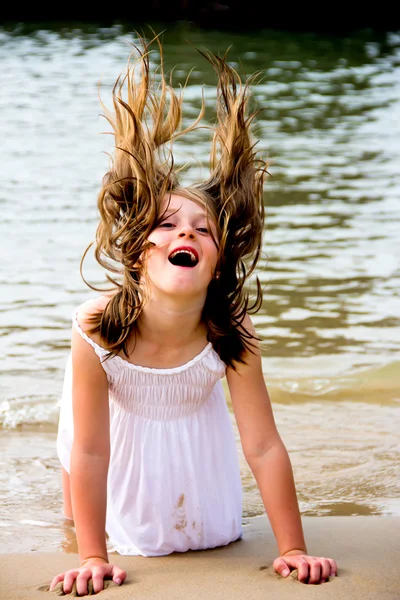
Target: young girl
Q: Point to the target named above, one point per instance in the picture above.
(145, 439)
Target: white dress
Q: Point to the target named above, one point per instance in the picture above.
(174, 480)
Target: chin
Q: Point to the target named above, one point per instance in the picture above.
(186, 291)
(179, 284)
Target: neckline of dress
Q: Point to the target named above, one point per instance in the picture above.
(142, 368)
(177, 369)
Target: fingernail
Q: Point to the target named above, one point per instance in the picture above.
(285, 573)
(118, 581)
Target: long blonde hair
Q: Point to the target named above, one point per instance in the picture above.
(142, 172)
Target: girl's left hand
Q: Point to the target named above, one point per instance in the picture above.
(310, 569)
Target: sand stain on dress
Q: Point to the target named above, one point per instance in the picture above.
(179, 514)
(180, 522)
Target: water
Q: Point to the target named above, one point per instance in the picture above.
(330, 127)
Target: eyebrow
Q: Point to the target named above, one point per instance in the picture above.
(173, 211)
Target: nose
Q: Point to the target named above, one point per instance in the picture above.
(188, 232)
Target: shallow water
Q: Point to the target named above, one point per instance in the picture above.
(330, 318)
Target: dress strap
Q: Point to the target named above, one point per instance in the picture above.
(101, 352)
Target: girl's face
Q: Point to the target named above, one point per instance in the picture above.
(183, 259)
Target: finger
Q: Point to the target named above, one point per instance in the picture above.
(55, 581)
(69, 579)
(315, 571)
(281, 567)
(303, 569)
(118, 575)
(98, 575)
(333, 567)
(325, 568)
(82, 582)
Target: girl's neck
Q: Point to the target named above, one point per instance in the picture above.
(167, 322)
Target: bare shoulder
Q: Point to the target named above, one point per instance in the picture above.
(86, 362)
(251, 356)
(89, 309)
(247, 325)
(251, 366)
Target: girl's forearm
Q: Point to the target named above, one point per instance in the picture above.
(274, 476)
(89, 500)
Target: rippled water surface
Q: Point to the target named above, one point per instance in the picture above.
(330, 127)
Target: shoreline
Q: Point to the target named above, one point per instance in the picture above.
(367, 550)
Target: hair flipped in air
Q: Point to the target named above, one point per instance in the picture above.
(142, 173)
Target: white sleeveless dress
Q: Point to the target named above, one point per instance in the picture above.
(174, 481)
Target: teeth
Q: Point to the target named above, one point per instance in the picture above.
(192, 256)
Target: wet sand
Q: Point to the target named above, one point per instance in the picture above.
(367, 550)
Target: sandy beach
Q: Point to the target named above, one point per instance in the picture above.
(367, 550)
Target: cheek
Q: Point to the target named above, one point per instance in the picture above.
(153, 237)
(158, 241)
(151, 257)
(213, 253)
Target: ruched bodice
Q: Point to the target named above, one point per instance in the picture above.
(173, 481)
(160, 394)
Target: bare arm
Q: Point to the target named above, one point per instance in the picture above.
(91, 449)
(265, 452)
(270, 464)
(89, 468)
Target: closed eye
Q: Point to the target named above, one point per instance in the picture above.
(167, 225)
(203, 229)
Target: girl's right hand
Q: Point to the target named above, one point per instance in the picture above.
(96, 569)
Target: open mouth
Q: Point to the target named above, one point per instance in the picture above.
(184, 257)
